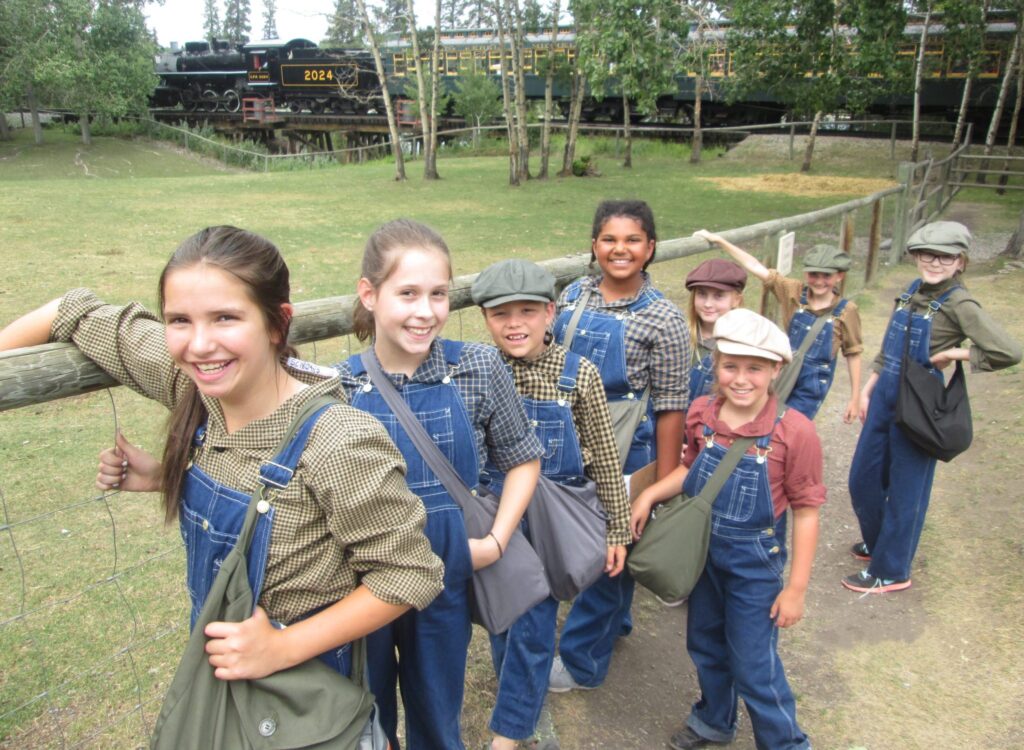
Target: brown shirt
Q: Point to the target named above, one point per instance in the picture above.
(538, 379)
(846, 333)
(795, 469)
(346, 517)
(961, 317)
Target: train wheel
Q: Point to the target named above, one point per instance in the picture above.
(316, 107)
(210, 101)
(231, 102)
(295, 106)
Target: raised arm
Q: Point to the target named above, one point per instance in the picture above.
(31, 329)
(745, 259)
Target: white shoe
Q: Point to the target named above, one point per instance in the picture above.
(675, 603)
(560, 680)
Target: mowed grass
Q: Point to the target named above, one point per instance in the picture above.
(92, 610)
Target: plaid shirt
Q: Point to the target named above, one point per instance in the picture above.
(538, 379)
(500, 427)
(657, 343)
(345, 518)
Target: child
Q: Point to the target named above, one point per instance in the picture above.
(802, 303)
(640, 344)
(466, 400)
(565, 400)
(739, 601)
(716, 287)
(890, 478)
(340, 549)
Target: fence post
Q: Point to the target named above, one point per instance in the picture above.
(792, 137)
(874, 240)
(892, 142)
(904, 175)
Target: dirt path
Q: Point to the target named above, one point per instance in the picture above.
(938, 665)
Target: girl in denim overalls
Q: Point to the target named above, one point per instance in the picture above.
(716, 287)
(890, 478)
(803, 304)
(638, 340)
(465, 399)
(565, 401)
(331, 558)
(740, 601)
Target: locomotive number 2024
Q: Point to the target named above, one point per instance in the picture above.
(323, 74)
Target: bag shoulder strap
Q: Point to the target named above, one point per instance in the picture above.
(581, 305)
(428, 450)
(812, 333)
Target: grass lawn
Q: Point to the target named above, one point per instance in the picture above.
(92, 609)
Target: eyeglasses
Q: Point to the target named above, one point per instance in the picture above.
(943, 259)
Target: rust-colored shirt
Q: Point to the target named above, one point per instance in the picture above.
(846, 333)
(795, 470)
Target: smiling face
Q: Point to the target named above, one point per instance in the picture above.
(821, 284)
(218, 335)
(409, 307)
(518, 327)
(621, 249)
(744, 380)
(933, 266)
(710, 303)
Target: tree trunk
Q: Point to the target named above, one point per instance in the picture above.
(997, 113)
(1012, 135)
(549, 85)
(421, 90)
(506, 100)
(5, 131)
(579, 87)
(396, 140)
(627, 160)
(430, 169)
(698, 135)
(33, 107)
(516, 34)
(915, 141)
(961, 117)
(86, 127)
(809, 151)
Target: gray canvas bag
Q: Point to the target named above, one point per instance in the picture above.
(625, 413)
(507, 589)
(309, 705)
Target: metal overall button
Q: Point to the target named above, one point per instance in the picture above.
(267, 727)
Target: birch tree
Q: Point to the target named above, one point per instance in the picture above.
(396, 141)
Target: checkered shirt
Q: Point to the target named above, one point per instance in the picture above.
(501, 429)
(346, 517)
(538, 379)
(657, 343)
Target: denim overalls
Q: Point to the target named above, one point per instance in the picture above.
(522, 655)
(890, 478)
(601, 613)
(729, 635)
(702, 373)
(432, 644)
(819, 366)
(211, 516)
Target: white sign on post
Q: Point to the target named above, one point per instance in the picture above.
(785, 260)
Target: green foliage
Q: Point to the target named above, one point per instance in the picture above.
(411, 90)
(477, 98)
(585, 166)
(269, 19)
(211, 20)
(236, 20)
(344, 29)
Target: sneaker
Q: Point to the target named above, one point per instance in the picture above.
(866, 583)
(674, 603)
(861, 552)
(560, 680)
(687, 739)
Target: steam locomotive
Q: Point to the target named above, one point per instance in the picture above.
(297, 74)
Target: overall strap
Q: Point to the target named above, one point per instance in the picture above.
(732, 458)
(581, 305)
(428, 450)
(452, 351)
(904, 299)
(570, 372)
(840, 306)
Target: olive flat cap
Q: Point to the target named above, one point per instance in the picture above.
(946, 237)
(512, 280)
(826, 259)
(718, 273)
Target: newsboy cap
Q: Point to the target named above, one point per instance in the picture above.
(745, 333)
(946, 237)
(826, 259)
(718, 273)
(511, 280)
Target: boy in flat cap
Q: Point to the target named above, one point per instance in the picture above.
(565, 400)
(803, 304)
